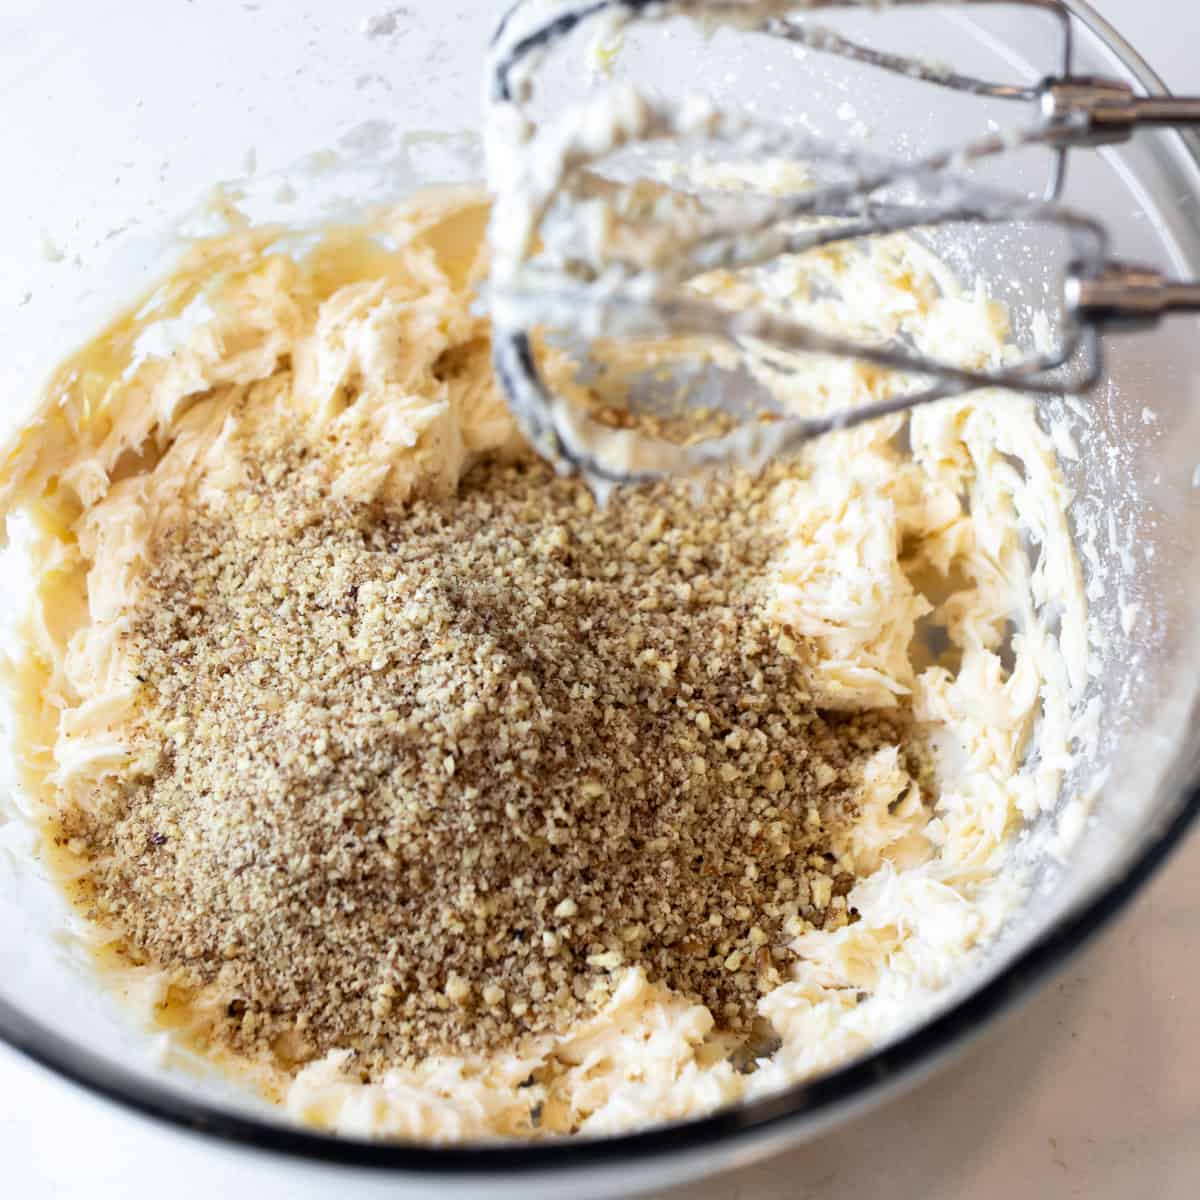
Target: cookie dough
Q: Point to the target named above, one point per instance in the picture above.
(907, 534)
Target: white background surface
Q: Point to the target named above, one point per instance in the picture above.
(1093, 1090)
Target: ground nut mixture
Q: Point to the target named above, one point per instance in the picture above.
(423, 781)
(396, 778)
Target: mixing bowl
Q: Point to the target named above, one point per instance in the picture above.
(130, 112)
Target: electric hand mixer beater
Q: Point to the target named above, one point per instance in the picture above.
(575, 249)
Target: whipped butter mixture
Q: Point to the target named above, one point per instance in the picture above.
(896, 680)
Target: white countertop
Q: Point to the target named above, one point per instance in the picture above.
(1093, 1090)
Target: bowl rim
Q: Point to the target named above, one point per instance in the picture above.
(823, 1099)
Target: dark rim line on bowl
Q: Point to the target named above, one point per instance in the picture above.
(839, 1089)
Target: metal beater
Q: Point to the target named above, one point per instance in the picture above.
(543, 277)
